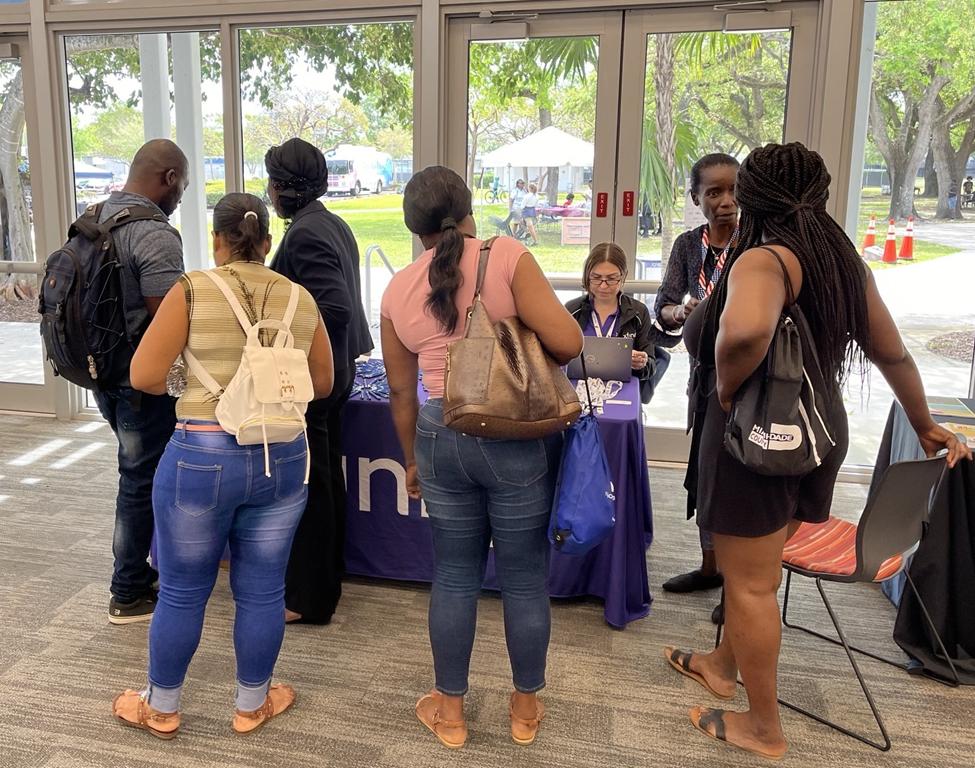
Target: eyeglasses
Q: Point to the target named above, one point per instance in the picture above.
(612, 282)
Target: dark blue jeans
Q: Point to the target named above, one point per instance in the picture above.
(480, 492)
(210, 491)
(143, 425)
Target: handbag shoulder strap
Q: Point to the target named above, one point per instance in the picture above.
(482, 262)
(785, 273)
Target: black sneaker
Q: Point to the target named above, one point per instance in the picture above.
(695, 581)
(128, 613)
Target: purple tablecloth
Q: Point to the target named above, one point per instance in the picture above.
(388, 534)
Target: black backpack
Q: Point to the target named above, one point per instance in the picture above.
(779, 423)
(83, 323)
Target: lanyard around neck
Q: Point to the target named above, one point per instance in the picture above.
(599, 329)
(705, 285)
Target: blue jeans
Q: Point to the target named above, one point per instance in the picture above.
(210, 490)
(478, 491)
(142, 423)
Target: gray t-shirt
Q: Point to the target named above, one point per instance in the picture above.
(151, 254)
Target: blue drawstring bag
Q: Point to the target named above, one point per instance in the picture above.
(584, 509)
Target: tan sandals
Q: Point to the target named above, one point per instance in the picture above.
(435, 723)
(244, 721)
(528, 730)
(148, 719)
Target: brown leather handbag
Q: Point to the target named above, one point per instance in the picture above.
(501, 382)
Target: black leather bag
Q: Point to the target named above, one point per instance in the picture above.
(779, 418)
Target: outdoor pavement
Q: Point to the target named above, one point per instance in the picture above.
(926, 300)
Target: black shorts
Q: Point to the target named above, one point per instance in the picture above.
(734, 501)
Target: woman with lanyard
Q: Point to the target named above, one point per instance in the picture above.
(696, 261)
(604, 310)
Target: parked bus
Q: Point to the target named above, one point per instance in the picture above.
(354, 169)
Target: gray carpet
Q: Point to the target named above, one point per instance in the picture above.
(612, 699)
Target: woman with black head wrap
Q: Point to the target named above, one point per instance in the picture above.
(319, 252)
(784, 229)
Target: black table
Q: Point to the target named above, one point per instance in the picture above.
(943, 568)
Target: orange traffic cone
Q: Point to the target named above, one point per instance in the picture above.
(870, 239)
(907, 244)
(890, 247)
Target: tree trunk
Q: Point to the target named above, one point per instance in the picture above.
(944, 163)
(930, 177)
(472, 156)
(666, 138)
(16, 219)
(904, 153)
(552, 173)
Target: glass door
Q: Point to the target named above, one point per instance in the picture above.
(26, 381)
(532, 107)
(644, 94)
(692, 85)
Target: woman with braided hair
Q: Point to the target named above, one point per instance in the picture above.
(477, 491)
(320, 253)
(784, 229)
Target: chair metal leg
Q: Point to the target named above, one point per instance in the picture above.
(833, 640)
(937, 636)
(863, 685)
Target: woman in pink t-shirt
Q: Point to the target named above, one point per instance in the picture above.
(477, 491)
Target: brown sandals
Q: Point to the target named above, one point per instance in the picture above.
(531, 724)
(147, 720)
(437, 722)
(265, 712)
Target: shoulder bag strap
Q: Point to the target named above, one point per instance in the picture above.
(482, 262)
(242, 318)
(785, 273)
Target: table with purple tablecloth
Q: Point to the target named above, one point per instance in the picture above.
(388, 534)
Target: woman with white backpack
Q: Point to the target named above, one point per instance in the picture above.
(235, 470)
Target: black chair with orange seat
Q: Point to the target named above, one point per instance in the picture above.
(874, 550)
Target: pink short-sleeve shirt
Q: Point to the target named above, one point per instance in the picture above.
(404, 303)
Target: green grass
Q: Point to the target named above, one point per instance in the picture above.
(378, 220)
(873, 203)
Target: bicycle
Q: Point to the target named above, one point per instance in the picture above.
(496, 195)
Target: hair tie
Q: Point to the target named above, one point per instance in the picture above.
(447, 223)
(250, 215)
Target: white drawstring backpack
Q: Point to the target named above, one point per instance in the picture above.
(265, 401)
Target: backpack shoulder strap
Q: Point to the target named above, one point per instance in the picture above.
(129, 214)
(242, 318)
(790, 294)
(202, 373)
(87, 223)
(289, 313)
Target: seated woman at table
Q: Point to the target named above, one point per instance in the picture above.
(604, 310)
(209, 490)
(475, 490)
(786, 238)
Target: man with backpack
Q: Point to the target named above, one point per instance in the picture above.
(150, 253)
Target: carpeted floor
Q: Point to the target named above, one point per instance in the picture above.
(612, 699)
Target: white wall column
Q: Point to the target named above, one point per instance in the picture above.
(187, 84)
(862, 119)
(154, 65)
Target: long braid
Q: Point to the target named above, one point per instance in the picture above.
(782, 192)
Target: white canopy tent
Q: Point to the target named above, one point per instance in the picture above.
(548, 148)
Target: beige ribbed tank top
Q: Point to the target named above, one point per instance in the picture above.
(215, 336)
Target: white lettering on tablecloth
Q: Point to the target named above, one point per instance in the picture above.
(366, 469)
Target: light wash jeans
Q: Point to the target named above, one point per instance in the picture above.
(209, 491)
(478, 492)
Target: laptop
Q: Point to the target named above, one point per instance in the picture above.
(609, 359)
